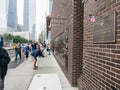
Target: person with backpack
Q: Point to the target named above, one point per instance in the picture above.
(36, 53)
(4, 61)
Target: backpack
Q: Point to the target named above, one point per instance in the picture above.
(4, 57)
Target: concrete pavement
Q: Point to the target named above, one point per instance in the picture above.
(19, 78)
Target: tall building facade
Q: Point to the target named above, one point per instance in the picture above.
(66, 37)
(29, 16)
(12, 15)
(7, 7)
(26, 15)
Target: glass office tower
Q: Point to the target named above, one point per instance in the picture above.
(29, 16)
(12, 16)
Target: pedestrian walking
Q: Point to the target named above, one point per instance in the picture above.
(4, 60)
(26, 50)
(18, 51)
(48, 49)
(34, 55)
(33, 46)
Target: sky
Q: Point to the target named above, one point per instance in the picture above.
(3, 15)
(41, 13)
(20, 11)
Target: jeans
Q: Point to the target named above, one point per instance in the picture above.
(18, 52)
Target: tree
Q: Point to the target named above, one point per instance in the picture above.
(15, 39)
(39, 40)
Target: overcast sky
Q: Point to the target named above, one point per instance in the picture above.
(20, 11)
(41, 12)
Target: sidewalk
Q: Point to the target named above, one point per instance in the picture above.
(20, 78)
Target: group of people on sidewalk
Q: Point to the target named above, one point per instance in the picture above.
(34, 49)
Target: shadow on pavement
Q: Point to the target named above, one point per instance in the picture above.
(14, 64)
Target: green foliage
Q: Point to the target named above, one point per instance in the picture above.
(39, 40)
(9, 36)
(15, 39)
(30, 41)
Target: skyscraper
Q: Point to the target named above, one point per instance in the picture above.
(29, 16)
(26, 15)
(12, 15)
(7, 7)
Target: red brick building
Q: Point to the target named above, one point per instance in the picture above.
(86, 42)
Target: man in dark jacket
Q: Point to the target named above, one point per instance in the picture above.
(26, 50)
(4, 60)
(35, 54)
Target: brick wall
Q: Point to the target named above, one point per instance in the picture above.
(72, 11)
(101, 62)
(77, 39)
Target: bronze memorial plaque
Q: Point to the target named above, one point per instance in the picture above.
(104, 30)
